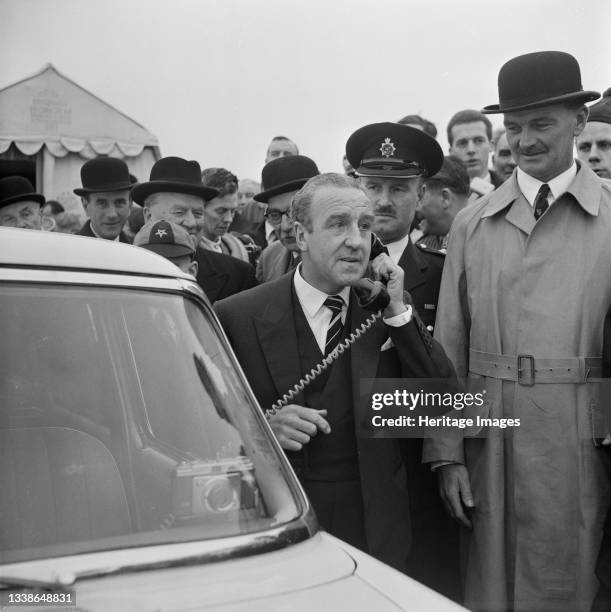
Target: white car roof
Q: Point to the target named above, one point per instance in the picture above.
(39, 249)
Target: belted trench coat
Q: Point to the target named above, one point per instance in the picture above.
(515, 286)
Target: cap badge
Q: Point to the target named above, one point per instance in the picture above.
(388, 148)
(161, 232)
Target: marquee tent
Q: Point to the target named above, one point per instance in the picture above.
(50, 125)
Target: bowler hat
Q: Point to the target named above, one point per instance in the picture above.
(165, 238)
(393, 150)
(285, 174)
(18, 189)
(176, 175)
(103, 174)
(539, 79)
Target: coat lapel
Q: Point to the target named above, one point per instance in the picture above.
(414, 267)
(365, 352)
(275, 330)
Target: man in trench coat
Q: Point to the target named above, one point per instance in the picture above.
(525, 288)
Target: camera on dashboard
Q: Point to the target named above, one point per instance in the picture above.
(214, 488)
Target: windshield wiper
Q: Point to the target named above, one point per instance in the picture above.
(60, 582)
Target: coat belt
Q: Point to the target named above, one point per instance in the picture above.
(528, 370)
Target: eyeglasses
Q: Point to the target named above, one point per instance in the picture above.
(275, 216)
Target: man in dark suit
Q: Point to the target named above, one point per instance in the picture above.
(176, 193)
(105, 197)
(392, 161)
(282, 177)
(281, 329)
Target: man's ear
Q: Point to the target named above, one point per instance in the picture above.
(446, 197)
(580, 120)
(85, 203)
(300, 236)
(193, 268)
(146, 213)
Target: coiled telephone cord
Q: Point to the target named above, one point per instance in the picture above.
(323, 365)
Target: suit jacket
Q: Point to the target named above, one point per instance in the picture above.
(222, 275)
(422, 268)
(260, 326)
(275, 261)
(87, 231)
(257, 233)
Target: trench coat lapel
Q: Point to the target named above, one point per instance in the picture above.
(509, 196)
(275, 330)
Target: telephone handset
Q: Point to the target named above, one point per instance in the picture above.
(371, 295)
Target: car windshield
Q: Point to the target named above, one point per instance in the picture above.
(123, 422)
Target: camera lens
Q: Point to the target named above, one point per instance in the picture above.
(219, 495)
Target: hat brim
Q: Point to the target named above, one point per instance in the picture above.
(578, 96)
(144, 190)
(406, 174)
(264, 196)
(429, 153)
(36, 197)
(83, 191)
(168, 250)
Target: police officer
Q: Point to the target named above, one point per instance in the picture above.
(390, 161)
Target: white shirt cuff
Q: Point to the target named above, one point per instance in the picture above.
(401, 319)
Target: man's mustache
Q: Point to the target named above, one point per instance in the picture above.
(531, 151)
(384, 210)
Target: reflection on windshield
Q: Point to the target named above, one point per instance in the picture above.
(122, 422)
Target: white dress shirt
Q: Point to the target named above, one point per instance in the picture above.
(530, 186)
(395, 249)
(211, 245)
(319, 316)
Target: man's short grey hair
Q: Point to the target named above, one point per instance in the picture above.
(302, 200)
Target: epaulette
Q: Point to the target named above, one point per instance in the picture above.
(429, 250)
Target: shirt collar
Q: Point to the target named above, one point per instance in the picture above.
(395, 249)
(215, 245)
(529, 185)
(312, 299)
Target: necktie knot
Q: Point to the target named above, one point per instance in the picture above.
(541, 201)
(334, 303)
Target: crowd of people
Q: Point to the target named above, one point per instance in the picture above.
(496, 260)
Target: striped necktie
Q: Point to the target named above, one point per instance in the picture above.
(335, 304)
(541, 203)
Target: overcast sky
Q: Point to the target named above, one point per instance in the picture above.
(214, 80)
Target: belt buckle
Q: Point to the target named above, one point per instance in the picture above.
(531, 368)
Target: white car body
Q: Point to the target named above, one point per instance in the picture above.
(273, 556)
